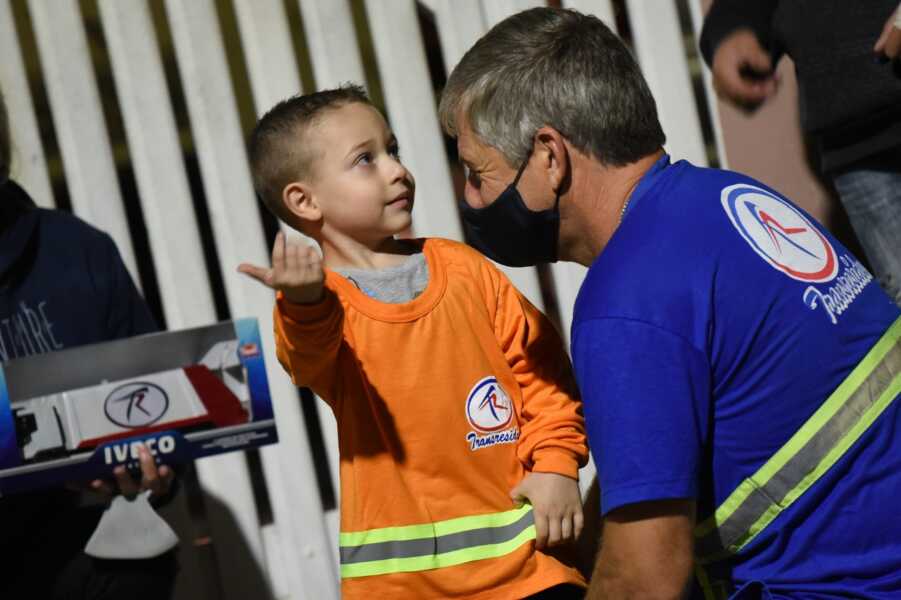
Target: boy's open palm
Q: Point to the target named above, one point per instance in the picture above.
(556, 504)
(296, 271)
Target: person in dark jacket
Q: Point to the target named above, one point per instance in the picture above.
(846, 57)
(63, 284)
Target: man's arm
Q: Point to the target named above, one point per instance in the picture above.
(646, 552)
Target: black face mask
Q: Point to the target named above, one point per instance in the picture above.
(510, 233)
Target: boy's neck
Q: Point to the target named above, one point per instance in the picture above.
(348, 253)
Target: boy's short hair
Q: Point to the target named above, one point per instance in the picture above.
(277, 151)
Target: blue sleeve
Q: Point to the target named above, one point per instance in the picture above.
(647, 399)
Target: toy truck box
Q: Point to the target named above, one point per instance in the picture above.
(76, 414)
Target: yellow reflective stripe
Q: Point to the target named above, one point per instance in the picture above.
(820, 418)
(430, 530)
(830, 459)
(437, 561)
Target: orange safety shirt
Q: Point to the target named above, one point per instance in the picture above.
(443, 405)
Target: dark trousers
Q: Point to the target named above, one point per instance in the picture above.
(47, 562)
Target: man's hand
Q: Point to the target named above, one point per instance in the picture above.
(889, 42)
(157, 480)
(296, 271)
(556, 504)
(743, 70)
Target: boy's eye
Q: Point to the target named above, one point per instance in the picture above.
(394, 150)
(363, 159)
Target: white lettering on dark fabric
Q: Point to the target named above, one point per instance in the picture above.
(839, 296)
(26, 332)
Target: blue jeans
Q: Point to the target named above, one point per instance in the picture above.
(871, 195)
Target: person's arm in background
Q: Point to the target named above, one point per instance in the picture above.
(889, 42)
(738, 44)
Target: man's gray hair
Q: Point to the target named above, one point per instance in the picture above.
(554, 67)
(5, 145)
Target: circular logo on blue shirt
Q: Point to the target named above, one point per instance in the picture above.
(488, 407)
(780, 233)
(136, 404)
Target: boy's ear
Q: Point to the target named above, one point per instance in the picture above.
(298, 199)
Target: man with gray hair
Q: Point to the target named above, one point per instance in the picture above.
(739, 367)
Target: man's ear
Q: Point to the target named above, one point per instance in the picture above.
(298, 198)
(551, 149)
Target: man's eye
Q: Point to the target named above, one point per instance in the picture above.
(472, 176)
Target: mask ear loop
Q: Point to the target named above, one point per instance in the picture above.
(522, 168)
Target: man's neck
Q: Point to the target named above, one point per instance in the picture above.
(598, 199)
(346, 252)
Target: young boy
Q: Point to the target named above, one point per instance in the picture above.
(459, 429)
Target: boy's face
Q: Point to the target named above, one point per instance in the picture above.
(358, 181)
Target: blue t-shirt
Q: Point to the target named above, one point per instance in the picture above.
(716, 321)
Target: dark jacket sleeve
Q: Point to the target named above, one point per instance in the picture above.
(127, 313)
(726, 16)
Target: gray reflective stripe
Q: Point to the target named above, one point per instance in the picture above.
(435, 545)
(766, 494)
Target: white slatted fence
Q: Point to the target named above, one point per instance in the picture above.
(78, 118)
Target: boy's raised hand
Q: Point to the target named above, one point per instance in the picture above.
(296, 271)
(556, 504)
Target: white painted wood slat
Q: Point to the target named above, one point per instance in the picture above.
(332, 40)
(78, 118)
(697, 22)
(460, 25)
(274, 76)
(413, 115)
(496, 11)
(239, 237)
(29, 166)
(602, 9)
(155, 151)
(661, 53)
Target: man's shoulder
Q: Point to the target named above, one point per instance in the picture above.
(708, 178)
